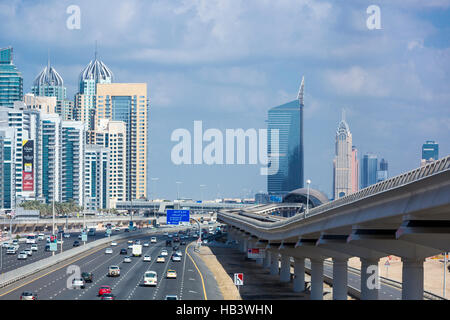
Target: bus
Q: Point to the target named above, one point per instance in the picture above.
(31, 239)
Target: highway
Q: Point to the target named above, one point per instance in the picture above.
(190, 284)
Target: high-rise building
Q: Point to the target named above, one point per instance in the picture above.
(127, 102)
(113, 136)
(96, 174)
(49, 83)
(342, 169)
(369, 168)
(11, 81)
(430, 152)
(355, 170)
(50, 157)
(85, 100)
(43, 104)
(72, 156)
(7, 181)
(288, 120)
(382, 173)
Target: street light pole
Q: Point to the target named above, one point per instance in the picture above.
(308, 182)
(53, 206)
(445, 272)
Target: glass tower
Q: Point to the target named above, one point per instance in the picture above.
(430, 152)
(11, 81)
(288, 120)
(369, 168)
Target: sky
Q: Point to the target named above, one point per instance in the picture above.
(227, 62)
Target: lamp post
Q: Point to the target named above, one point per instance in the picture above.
(445, 271)
(178, 189)
(308, 182)
(154, 193)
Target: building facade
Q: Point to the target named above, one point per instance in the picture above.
(430, 152)
(288, 120)
(127, 102)
(7, 153)
(355, 170)
(369, 168)
(382, 173)
(11, 81)
(96, 177)
(342, 163)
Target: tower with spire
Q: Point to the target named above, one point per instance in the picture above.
(342, 163)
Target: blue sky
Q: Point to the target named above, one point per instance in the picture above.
(227, 62)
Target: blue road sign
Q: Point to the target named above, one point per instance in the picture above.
(176, 216)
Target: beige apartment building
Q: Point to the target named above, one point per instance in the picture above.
(128, 102)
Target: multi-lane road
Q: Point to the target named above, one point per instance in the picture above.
(194, 281)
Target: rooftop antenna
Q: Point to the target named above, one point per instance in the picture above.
(301, 91)
(343, 114)
(95, 53)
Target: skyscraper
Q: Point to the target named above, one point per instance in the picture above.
(128, 102)
(11, 81)
(382, 173)
(369, 168)
(96, 171)
(355, 170)
(430, 152)
(342, 168)
(288, 120)
(7, 181)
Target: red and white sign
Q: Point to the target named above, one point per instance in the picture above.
(387, 264)
(255, 253)
(239, 279)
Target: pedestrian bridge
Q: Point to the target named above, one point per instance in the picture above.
(407, 216)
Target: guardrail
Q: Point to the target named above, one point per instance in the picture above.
(32, 268)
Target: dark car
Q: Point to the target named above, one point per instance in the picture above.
(176, 247)
(123, 251)
(176, 239)
(168, 243)
(76, 243)
(87, 276)
(47, 247)
(127, 230)
(108, 296)
(182, 242)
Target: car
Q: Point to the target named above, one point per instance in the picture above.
(34, 247)
(117, 229)
(171, 297)
(176, 258)
(130, 241)
(160, 259)
(76, 243)
(28, 251)
(41, 236)
(166, 234)
(182, 243)
(66, 235)
(22, 255)
(108, 296)
(147, 258)
(179, 253)
(176, 239)
(27, 295)
(168, 243)
(123, 251)
(150, 278)
(146, 244)
(5, 245)
(87, 276)
(113, 271)
(153, 240)
(137, 242)
(47, 247)
(104, 290)
(164, 253)
(175, 248)
(78, 283)
(11, 250)
(127, 259)
(130, 246)
(126, 230)
(113, 243)
(108, 251)
(171, 274)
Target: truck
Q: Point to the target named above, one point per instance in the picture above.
(136, 250)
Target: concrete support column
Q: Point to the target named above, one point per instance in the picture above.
(266, 263)
(274, 264)
(285, 272)
(244, 245)
(299, 271)
(316, 279)
(340, 284)
(369, 280)
(412, 279)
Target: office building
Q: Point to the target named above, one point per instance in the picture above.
(430, 152)
(11, 81)
(7, 181)
(96, 176)
(382, 173)
(72, 166)
(342, 169)
(355, 170)
(112, 135)
(127, 102)
(369, 168)
(288, 120)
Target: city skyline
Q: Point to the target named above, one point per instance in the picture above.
(215, 86)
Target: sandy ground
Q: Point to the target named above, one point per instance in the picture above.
(433, 272)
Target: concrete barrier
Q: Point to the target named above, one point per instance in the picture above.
(32, 268)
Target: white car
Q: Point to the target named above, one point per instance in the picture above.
(34, 247)
(127, 260)
(147, 258)
(78, 283)
(11, 250)
(28, 251)
(22, 255)
(5, 245)
(41, 236)
(160, 259)
(166, 234)
(130, 241)
(178, 253)
(108, 251)
(150, 278)
(153, 240)
(171, 274)
(176, 258)
(66, 235)
(146, 244)
(114, 271)
(164, 253)
(114, 243)
(130, 246)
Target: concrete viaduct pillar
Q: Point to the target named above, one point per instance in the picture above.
(340, 281)
(299, 272)
(412, 274)
(274, 270)
(285, 272)
(369, 270)
(316, 279)
(268, 256)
